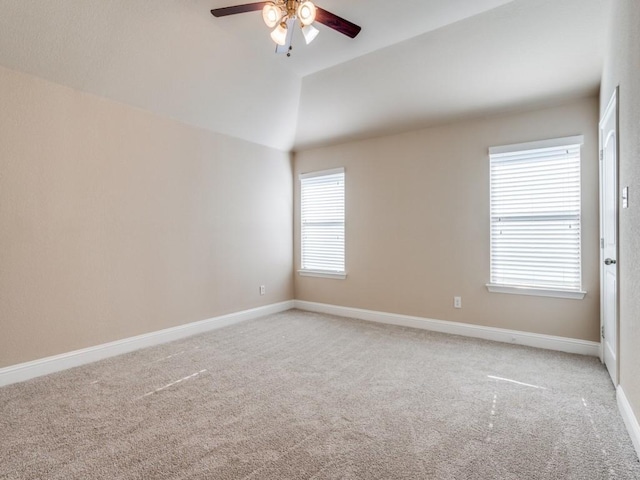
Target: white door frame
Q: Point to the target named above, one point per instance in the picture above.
(612, 109)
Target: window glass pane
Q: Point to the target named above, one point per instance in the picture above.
(535, 218)
(322, 221)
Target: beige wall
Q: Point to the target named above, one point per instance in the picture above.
(115, 222)
(622, 67)
(417, 223)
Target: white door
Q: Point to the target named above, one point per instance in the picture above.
(609, 236)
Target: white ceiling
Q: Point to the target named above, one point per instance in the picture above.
(427, 62)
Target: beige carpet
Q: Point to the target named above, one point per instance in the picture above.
(307, 396)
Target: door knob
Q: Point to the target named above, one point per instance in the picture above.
(609, 261)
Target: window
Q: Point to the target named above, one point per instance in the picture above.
(322, 223)
(535, 218)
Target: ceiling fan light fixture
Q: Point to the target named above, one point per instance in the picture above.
(279, 35)
(310, 33)
(306, 13)
(282, 17)
(271, 14)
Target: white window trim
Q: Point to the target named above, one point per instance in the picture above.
(305, 272)
(321, 173)
(322, 274)
(554, 142)
(537, 292)
(525, 290)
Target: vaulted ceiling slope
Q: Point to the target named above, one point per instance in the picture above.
(416, 62)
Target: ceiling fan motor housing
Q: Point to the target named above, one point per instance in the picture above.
(292, 7)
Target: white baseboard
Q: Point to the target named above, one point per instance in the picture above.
(537, 340)
(630, 420)
(56, 363)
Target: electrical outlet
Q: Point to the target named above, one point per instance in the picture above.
(262, 290)
(457, 302)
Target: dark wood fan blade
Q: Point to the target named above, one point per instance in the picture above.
(339, 24)
(247, 7)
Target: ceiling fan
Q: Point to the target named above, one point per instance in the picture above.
(281, 16)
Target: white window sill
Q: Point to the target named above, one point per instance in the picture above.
(322, 274)
(538, 292)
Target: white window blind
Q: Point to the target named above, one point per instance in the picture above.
(322, 221)
(535, 215)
